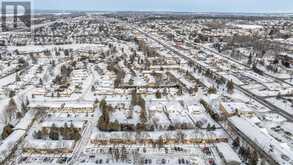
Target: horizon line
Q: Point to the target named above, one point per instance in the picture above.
(170, 11)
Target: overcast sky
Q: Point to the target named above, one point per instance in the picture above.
(169, 5)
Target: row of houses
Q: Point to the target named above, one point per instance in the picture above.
(162, 137)
(226, 109)
(69, 107)
(49, 146)
(273, 151)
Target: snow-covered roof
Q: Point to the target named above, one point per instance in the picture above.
(26, 120)
(3, 104)
(60, 104)
(231, 107)
(61, 123)
(274, 117)
(271, 146)
(288, 126)
(9, 143)
(227, 152)
(49, 144)
(188, 134)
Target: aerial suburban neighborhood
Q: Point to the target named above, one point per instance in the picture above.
(84, 88)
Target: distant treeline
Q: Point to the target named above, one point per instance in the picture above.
(190, 16)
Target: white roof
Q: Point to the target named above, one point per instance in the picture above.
(25, 122)
(189, 134)
(6, 148)
(60, 104)
(8, 144)
(288, 126)
(61, 123)
(263, 140)
(231, 107)
(49, 144)
(227, 152)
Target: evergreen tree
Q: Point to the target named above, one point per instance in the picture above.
(212, 90)
(23, 107)
(11, 93)
(209, 127)
(27, 102)
(40, 81)
(230, 86)
(93, 88)
(158, 94)
(103, 104)
(104, 120)
(236, 142)
(77, 135)
(115, 126)
(37, 135)
(54, 135)
(249, 62)
(17, 78)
